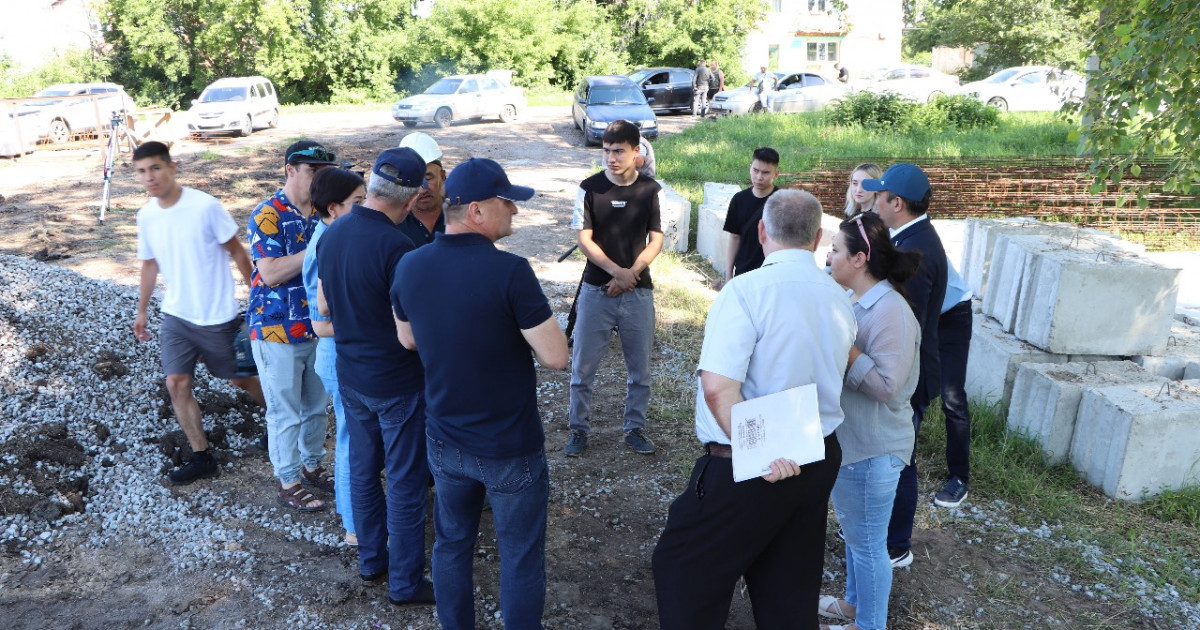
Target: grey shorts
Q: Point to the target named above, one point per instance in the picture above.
(184, 343)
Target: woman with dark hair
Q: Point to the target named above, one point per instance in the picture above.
(334, 191)
(877, 435)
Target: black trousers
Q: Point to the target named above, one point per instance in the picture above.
(773, 534)
(954, 344)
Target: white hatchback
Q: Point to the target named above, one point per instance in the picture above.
(237, 105)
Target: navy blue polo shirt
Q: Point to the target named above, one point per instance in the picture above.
(356, 261)
(467, 303)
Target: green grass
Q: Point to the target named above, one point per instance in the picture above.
(210, 155)
(547, 97)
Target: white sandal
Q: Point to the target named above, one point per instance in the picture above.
(831, 607)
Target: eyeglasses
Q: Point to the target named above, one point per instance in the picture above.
(316, 153)
(863, 231)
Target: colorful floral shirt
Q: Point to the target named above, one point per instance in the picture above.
(279, 313)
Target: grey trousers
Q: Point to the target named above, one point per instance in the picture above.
(633, 315)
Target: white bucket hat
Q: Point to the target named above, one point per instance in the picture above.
(423, 144)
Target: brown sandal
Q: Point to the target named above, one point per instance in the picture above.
(319, 479)
(299, 499)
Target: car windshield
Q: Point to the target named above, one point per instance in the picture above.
(638, 76)
(54, 92)
(444, 86)
(221, 94)
(1002, 76)
(615, 95)
(876, 74)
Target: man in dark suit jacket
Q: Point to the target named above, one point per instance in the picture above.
(902, 204)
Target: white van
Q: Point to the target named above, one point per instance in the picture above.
(236, 105)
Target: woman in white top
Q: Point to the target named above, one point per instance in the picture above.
(877, 435)
(857, 199)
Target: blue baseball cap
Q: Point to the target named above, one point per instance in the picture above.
(478, 179)
(903, 179)
(410, 168)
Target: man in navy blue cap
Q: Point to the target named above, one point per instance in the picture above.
(477, 343)
(903, 206)
(382, 383)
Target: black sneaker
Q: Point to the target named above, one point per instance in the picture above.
(423, 596)
(372, 579)
(639, 443)
(201, 465)
(900, 557)
(952, 495)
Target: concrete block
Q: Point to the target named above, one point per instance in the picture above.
(1135, 441)
(1192, 371)
(1181, 349)
(829, 226)
(676, 214)
(1008, 267)
(1046, 396)
(712, 241)
(994, 359)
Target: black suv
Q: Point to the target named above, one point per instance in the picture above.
(671, 88)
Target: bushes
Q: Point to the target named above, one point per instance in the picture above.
(887, 110)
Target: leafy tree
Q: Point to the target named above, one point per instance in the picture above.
(1144, 102)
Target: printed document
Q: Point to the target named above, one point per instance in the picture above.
(784, 424)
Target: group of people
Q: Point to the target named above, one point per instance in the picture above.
(706, 82)
(437, 387)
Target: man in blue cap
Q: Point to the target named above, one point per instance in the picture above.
(382, 383)
(477, 343)
(903, 206)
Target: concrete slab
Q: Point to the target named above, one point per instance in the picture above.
(1192, 371)
(1135, 441)
(1045, 398)
(994, 359)
(1009, 265)
(1182, 348)
(676, 215)
(712, 241)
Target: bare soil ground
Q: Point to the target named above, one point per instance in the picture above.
(606, 509)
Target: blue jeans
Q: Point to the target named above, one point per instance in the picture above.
(326, 359)
(388, 434)
(295, 397)
(518, 489)
(862, 501)
(632, 313)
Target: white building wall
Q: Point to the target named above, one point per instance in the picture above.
(869, 39)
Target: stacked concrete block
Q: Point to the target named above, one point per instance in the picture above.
(994, 359)
(1181, 348)
(1134, 441)
(712, 241)
(1046, 397)
(1192, 371)
(676, 214)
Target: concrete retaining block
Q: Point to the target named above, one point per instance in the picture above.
(712, 241)
(1008, 268)
(1046, 396)
(1192, 371)
(1135, 441)
(676, 215)
(996, 356)
(1181, 349)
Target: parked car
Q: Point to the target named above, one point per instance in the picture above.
(666, 89)
(23, 125)
(237, 105)
(599, 100)
(64, 114)
(462, 97)
(805, 92)
(919, 83)
(741, 100)
(1028, 88)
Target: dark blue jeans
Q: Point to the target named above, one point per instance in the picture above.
(388, 434)
(518, 489)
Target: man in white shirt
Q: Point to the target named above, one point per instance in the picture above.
(188, 237)
(781, 326)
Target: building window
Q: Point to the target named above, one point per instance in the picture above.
(818, 6)
(777, 6)
(822, 51)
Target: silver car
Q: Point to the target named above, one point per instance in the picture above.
(461, 97)
(794, 92)
(67, 110)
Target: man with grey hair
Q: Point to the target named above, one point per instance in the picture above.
(781, 326)
(382, 383)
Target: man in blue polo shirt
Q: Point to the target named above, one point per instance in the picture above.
(485, 434)
(382, 384)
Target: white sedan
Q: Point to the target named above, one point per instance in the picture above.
(805, 92)
(1028, 88)
(919, 83)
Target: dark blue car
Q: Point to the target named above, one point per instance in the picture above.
(599, 100)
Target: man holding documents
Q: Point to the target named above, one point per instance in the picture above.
(785, 325)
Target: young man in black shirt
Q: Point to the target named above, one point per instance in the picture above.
(745, 210)
(617, 215)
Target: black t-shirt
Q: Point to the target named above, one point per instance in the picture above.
(620, 218)
(745, 210)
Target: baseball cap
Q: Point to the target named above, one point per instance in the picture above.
(424, 145)
(308, 152)
(478, 179)
(410, 168)
(903, 179)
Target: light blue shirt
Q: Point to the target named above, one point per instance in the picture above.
(957, 289)
(309, 272)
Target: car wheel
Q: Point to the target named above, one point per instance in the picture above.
(998, 103)
(59, 131)
(508, 114)
(409, 123)
(443, 117)
(274, 122)
(934, 94)
(247, 127)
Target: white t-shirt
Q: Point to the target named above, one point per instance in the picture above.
(783, 325)
(186, 240)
